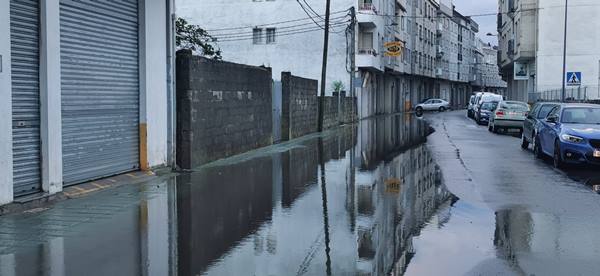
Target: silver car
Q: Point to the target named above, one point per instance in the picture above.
(508, 115)
(433, 104)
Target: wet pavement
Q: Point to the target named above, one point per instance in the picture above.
(378, 198)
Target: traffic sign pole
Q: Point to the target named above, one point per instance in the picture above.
(564, 75)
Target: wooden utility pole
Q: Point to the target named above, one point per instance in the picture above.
(324, 68)
(353, 59)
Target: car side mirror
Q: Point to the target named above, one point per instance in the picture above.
(552, 119)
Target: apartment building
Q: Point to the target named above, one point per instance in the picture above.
(531, 36)
(455, 54)
(487, 76)
(257, 33)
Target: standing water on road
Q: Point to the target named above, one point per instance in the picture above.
(349, 201)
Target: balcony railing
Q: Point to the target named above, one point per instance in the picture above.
(367, 52)
(367, 7)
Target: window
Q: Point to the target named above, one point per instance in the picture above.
(544, 111)
(270, 35)
(257, 36)
(366, 41)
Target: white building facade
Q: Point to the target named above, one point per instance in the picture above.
(258, 33)
(531, 36)
(83, 79)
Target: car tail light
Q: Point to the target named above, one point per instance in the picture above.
(500, 113)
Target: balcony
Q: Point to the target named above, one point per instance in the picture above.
(367, 16)
(369, 59)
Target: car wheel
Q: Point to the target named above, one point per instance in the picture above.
(558, 162)
(419, 109)
(442, 109)
(495, 129)
(524, 142)
(537, 148)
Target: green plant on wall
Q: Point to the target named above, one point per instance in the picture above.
(193, 37)
(338, 86)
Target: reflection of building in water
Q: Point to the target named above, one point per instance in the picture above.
(139, 239)
(382, 139)
(219, 207)
(394, 201)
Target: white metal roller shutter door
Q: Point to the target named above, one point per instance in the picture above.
(100, 88)
(24, 39)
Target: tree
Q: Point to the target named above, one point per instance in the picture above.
(338, 86)
(193, 37)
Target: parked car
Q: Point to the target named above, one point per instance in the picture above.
(539, 112)
(485, 110)
(508, 115)
(570, 134)
(471, 107)
(485, 97)
(433, 104)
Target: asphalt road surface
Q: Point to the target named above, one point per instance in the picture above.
(515, 215)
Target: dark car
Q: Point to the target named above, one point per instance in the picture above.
(570, 134)
(538, 113)
(484, 112)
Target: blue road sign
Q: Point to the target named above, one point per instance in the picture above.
(573, 78)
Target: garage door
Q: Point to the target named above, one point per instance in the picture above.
(100, 88)
(24, 39)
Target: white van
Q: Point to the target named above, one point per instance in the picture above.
(485, 97)
(472, 101)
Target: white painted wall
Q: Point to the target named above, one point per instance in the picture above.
(583, 42)
(300, 54)
(50, 93)
(6, 167)
(153, 80)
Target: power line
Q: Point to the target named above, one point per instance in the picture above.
(279, 28)
(269, 24)
(308, 13)
(440, 16)
(310, 8)
(290, 32)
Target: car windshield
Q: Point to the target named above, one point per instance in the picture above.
(517, 106)
(581, 116)
(489, 106)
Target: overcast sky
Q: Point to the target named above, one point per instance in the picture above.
(487, 24)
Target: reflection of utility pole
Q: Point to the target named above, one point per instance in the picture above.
(325, 212)
(353, 59)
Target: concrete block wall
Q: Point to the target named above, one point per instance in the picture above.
(299, 106)
(223, 109)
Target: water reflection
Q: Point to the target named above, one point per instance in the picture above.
(348, 202)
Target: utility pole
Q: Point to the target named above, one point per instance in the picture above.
(353, 57)
(564, 73)
(324, 68)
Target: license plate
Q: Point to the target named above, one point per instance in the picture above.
(597, 153)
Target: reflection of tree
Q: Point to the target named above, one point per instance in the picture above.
(512, 235)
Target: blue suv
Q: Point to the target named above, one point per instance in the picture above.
(570, 134)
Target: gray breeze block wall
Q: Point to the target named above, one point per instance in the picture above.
(223, 109)
(299, 110)
(347, 110)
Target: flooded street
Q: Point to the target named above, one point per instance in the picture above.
(378, 198)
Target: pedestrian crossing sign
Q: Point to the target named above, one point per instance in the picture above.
(573, 78)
